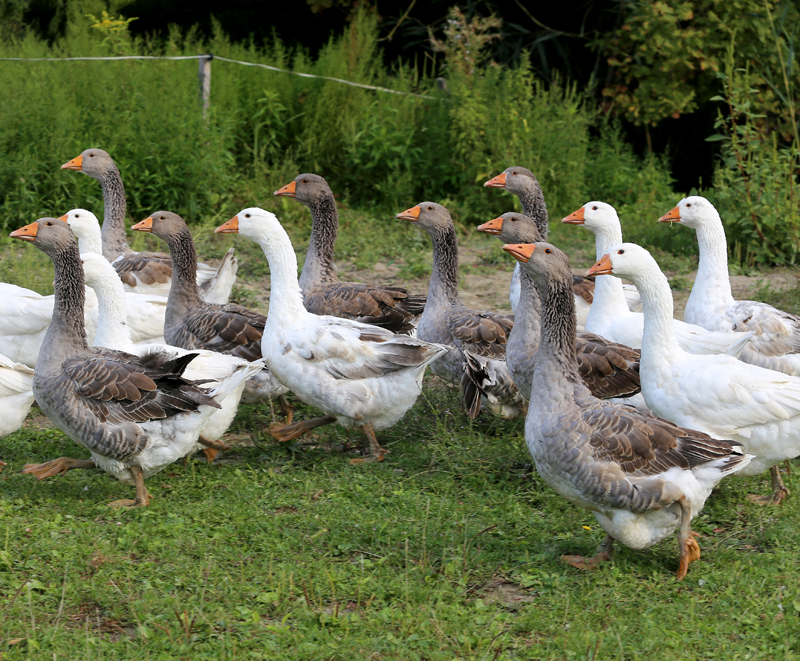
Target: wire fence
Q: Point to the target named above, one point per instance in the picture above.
(204, 71)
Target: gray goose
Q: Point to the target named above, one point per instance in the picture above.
(390, 307)
(192, 323)
(134, 414)
(143, 272)
(640, 475)
(607, 368)
(524, 184)
(477, 340)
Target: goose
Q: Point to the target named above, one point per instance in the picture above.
(145, 311)
(192, 323)
(718, 395)
(210, 367)
(776, 344)
(143, 272)
(641, 476)
(16, 395)
(476, 341)
(610, 315)
(393, 308)
(523, 183)
(134, 415)
(24, 318)
(608, 369)
(361, 376)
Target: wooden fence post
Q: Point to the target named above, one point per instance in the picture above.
(204, 75)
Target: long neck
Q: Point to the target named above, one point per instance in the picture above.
(712, 286)
(527, 316)
(66, 335)
(556, 359)
(183, 293)
(319, 267)
(609, 297)
(112, 326)
(115, 242)
(444, 277)
(89, 240)
(285, 297)
(534, 207)
(659, 329)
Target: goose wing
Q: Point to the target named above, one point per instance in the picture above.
(609, 369)
(481, 333)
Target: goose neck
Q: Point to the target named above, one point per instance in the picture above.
(184, 293)
(115, 242)
(533, 206)
(90, 240)
(658, 338)
(443, 287)
(558, 329)
(527, 316)
(112, 325)
(286, 297)
(66, 335)
(713, 282)
(319, 267)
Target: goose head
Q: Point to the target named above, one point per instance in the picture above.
(542, 261)
(429, 215)
(164, 224)
(594, 216)
(306, 188)
(50, 235)
(694, 211)
(92, 162)
(515, 180)
(626, 260)
(512, 227)
(81, 221)
(258, 224)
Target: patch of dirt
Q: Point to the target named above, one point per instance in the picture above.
(91, 615)
(507, 594)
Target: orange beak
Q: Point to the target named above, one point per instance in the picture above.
(64, 217)
(520, 251)
(229, 226)
(288, 190)
(497, 182)
(75, 164)
(145, 225)
(601, 267)
(575, 218)
(672, 216)
(27, 233)
(493, 227)
(411, 214)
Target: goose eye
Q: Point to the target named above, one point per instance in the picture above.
(305, 181)
(77, 215)
(430, 208)
(594, 208)
(688, 204)
(247, 215)
(161, 217)
(49, 224)
(621, 252)
(513, 173)
(548, 251)
(513, 220)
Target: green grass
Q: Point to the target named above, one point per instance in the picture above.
(447, 550)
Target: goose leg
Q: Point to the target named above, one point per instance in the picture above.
(281, 432)
(604, 552)
(56, 467)
(287, 409)
(142, 497)
(690, 550)
(212, 448)
(779, 490)
(376, 452)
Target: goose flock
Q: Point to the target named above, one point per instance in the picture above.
(629, 413)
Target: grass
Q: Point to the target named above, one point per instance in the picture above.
(449, 549)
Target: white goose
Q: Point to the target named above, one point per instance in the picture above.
(711, 304)
(16, 395)
(362, 376)
(145, 311)
(610, 315)
(209, 367)
(718, 395)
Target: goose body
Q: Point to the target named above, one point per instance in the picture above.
(610, 315)
(142, 272)
(363, 376)
(642, 476)
(134, 414)
(719, 395)
(776, 341)
(393, 308)
(476, 340)
(16, 394)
